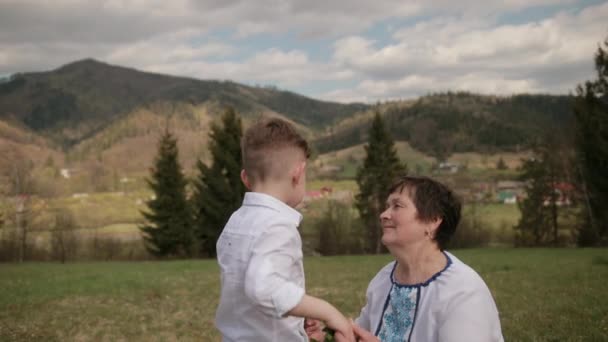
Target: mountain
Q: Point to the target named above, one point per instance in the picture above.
(105, 120)
(442, 124)
(74, 102)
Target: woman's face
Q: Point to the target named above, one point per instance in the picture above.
(400, 223)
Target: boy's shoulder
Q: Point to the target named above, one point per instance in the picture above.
(262, 204)
(257, 218)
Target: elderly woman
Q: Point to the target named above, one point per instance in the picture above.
(426, 294)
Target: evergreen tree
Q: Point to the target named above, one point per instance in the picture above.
(501, 165)
(591, 112)
(379, 170)
(539, 224)
(533, 228)
(168, 230)
(218, 190)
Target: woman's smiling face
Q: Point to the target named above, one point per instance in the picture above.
(400, 223)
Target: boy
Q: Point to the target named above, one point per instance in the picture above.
(260, 252)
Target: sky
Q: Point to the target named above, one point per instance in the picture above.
(345, 51)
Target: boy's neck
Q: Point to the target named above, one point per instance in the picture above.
(276, 190)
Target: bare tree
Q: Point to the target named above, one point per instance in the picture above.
(63, 238)
(17, 182)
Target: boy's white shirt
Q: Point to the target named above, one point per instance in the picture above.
(262, 274)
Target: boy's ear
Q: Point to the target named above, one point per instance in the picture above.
(245, 179)
(298, 172)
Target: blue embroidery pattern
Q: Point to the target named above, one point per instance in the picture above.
(399, 315)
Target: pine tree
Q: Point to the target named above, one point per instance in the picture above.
(533, 227)
(218, 190)
(168, 230)
(591, 112)
(539, 225)
(374, 178)
(501, 165)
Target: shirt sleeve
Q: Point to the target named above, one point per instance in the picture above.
(364, 320)
(269, 279)
(471, 317)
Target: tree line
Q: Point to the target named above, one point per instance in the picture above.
(185, 217)
(446, 123)
(580, 159)
(182, 225)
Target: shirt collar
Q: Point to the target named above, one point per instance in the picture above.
(261, 199)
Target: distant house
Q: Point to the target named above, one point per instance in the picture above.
(507, 197)
(477, 191)
(447, 167)
(317, 194)
(565, 193)
(67, 173)
(313, 195)
(509, 192)
(326, 190)
(510, 185)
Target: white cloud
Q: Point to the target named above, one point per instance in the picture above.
(460, 54)
(272, 66)
(458, 45)
(167, 49)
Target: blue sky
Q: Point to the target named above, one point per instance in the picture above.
(345, 51)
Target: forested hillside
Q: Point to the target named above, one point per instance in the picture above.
(76, 101)
(92, 110)
(443, 124)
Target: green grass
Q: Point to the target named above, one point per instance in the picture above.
(104, 208)
(542, 295)
(336, 185)
(495, 215)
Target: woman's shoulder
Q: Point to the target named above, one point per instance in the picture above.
(383, 276)
(459, 273)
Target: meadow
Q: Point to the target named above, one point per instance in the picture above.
(542, 295)
(114, 217)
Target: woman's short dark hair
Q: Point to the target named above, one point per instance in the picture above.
(433, 200)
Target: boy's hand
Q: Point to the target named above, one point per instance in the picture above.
(314, 329)
(364, 335)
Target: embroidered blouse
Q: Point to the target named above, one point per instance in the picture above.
(453, 305)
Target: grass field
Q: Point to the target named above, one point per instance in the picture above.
(542, 295)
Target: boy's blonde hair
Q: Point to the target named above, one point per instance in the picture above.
(265, 147)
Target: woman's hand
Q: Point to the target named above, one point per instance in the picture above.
(343, 329)
(363, 335)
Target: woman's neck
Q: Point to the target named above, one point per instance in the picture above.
(418, 263)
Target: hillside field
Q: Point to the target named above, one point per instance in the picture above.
(542, 295)
(344, 162)
(116, 215)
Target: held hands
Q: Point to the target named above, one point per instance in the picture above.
(339, 330)
(343, 329)
(364, 335)
(314, 329)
